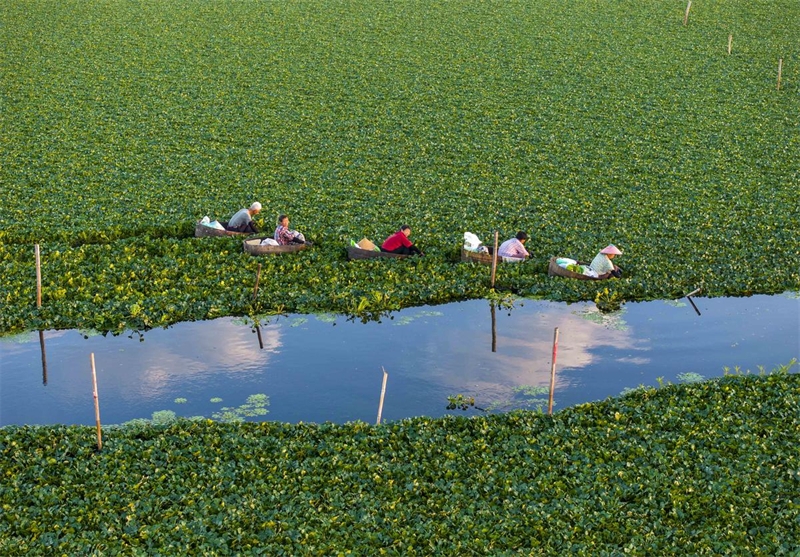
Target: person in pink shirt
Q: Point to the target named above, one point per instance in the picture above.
(399, 243)
(514, 248)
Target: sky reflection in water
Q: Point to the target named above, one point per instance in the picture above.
(321, 368)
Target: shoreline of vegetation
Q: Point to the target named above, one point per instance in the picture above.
(706, 468)
(583, 123)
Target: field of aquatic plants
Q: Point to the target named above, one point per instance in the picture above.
(583, 123)
(703, 469)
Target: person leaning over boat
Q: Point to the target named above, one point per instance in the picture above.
(602, 264)
(285, 237)
(242, 221)
(514, 249)
(399, 243)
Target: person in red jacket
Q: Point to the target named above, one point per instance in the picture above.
(399, 243)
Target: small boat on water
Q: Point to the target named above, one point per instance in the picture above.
(253, 246)
(201, 230)
(554, 270)
(354, 252)
(477, 257)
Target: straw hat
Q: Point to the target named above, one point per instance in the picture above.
(611, 249)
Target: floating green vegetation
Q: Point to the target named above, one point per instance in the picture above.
(709, 468)
(256, 405)
(690, 377)
(298, 321)
(563, 121)
(675, 303)
(529, 397)
(404, 320)
(522, 397)
(613, 320)
(216, 400)
(325, 317)
(180, 400)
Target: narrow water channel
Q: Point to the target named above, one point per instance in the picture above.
(326, 368)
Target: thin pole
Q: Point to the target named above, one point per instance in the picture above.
(553, 373)
(686, 15)
(44, 358)
(260, 340)
(494, 256)
(38, 275)
(694, 306)
(383, 393)
(258, 276)
(494, 326)
(780, 69)
(96, 406)
(730, 43)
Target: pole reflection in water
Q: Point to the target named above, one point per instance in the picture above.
(494, 326)
(314, 371)
(44, 358)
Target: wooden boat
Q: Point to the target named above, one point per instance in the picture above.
(354, 252)
(473, 256)
(253, 247)
(201, 230)
(554, 270)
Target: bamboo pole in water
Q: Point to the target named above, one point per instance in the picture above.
(730, 43)
(383, 393)
(686, 15)
(37, 255)
(96, 406)
(553, 373)
(780, 70)
(255, 288)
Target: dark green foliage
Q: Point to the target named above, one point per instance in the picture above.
(703, 469)
(582, 123)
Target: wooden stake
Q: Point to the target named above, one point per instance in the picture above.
(494, 256)
(258, 276)
(383, 393)
(494, 327)
(730, 42)
(780, 69)
(38, 276)
(686, 15)
(96, 406)
(553, 373)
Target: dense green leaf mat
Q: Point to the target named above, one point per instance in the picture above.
(703, 469)
(583, 122)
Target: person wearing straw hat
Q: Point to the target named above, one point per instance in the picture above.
(603, 265)
(242, 221)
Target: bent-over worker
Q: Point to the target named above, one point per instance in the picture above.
(399, 243)
(242, 221)
(514, 249)
(603, 265)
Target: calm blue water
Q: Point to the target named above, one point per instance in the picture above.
(325, 368)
